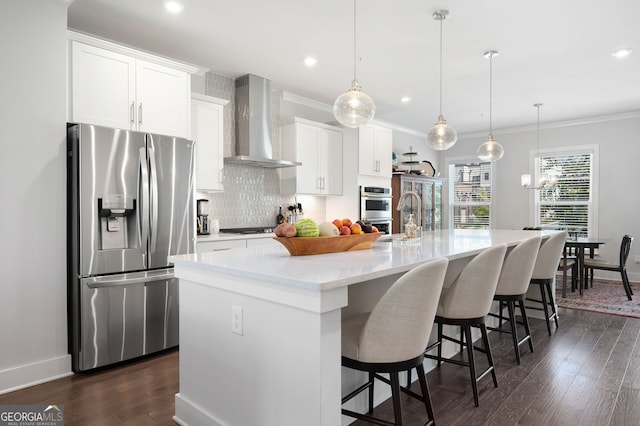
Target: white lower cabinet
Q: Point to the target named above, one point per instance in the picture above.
(262, 242)
(205, 246)
(318, 147)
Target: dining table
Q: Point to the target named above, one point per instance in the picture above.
(579, 245)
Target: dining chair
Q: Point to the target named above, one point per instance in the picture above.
(608, 265)
(568, 262)
(466, 303)
(512, 290)
(544, 273)
(392, 337)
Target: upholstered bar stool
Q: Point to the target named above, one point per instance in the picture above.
(466, 303)
(544, 272)
(512, 289)
(392, 337)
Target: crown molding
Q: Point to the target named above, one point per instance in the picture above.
(555, 124)
(312, 103)
(135, 53)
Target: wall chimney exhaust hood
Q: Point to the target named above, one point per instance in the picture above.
(253, 125)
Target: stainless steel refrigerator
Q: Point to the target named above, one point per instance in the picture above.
(130, 206)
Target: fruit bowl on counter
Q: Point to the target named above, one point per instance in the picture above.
(303, 246)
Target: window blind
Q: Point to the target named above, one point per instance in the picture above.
(568, 203)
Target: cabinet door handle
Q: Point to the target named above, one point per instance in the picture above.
(140, 113)
(132, 117)
(318, 182)
(377, 165)
(221, 175)
(322, 182)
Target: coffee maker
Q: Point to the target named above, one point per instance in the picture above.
(203, 216)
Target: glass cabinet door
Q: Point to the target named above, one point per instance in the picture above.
(437, 206)
(430, 193)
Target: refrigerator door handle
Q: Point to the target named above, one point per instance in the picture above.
(127, 279)
(143, 222)
(153, 182)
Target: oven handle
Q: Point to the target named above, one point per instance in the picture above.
(377, 196)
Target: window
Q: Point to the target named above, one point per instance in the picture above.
(470, 195)
(569, 204)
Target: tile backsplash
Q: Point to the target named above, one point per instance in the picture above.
(251, 195)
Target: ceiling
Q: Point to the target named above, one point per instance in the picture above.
(558, 53)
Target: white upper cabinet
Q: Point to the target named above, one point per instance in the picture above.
(374, 150)
(162, 96)
(129, 90)
(319, 148)
(207, 130)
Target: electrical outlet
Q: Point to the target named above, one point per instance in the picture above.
(236, 320)
(637, 259)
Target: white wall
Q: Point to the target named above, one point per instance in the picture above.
(33, 317)
(618, 139)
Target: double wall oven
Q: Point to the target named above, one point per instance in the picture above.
(375, 206)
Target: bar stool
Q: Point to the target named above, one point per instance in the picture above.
(544, 272)
(512, 289)
(392, 337)
(466, 303)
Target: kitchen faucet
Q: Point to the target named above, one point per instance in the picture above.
(415, 194)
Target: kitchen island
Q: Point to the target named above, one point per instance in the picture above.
(260, 329)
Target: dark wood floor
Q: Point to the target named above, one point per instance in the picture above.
(586, 373)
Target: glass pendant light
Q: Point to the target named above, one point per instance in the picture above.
(354, 108)
(441, 136)
(490, 150)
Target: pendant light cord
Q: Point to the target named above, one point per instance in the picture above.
(490, 92)
(538, 132)
(441, 19)
(354, 41)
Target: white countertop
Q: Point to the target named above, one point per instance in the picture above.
(328, 271)
(223, 236)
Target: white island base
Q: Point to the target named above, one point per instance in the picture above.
(260, 329)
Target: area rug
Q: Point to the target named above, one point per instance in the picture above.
(606, 297)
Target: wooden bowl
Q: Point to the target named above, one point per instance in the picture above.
(301, 246)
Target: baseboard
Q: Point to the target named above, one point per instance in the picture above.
(189, 414)
(24, 376)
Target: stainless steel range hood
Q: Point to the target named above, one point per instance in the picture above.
(253, 124)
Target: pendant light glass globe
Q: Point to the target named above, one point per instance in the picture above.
(490, 150)
(354, 108)
(441, 136)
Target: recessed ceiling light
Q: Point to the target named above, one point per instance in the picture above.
(405, 99)
(622, 53)
(173, 6)
(310, 61)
